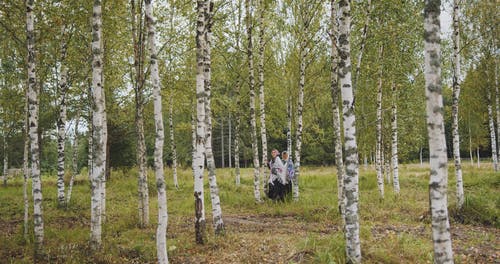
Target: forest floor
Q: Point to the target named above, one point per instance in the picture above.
(395, 229)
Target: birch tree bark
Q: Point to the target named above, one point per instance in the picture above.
(363, 44)
(394, 148)
(237, 134)
(209, 155)
(435, 128)
(289, 127)
(335, 92)
(33, 93)
(493, 140)
(378, 152)
(229, 141)
(74, 160)
(173, 146)
(198, 158)
(99, 134)
(26, 172)
(61, 123)
(253, 124)
(138, 38)
(161, 231)
(351, 188)
(454, 111)
(260, 70)
(300, 107)
(5, 158)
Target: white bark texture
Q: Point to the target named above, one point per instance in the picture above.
(99, 130)
(139, 54)
(212, 179)
(5, 158)
(33, 93)
(363, 44)
(351, 186)
(335, 92)
(161, 230)
(260, 70)
(61, 125)
(253, 124)
(493, 140)
(173, 146)
(379, 152)
(237, 134)
(394, 148)
(229, 141)
(289, 127)
(454, 107)
(300, 109)
(198, 157)
(74, 161)
(26, 172)
(435, 128)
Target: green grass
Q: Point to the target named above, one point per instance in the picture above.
(395, 229)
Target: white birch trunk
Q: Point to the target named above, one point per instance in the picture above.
(5, 159)
(33, 93)
(378, 152)
(394, 148)
(142, 186)
(260, 70)
(251, 78)
(455, 100)
(229, 142)
(289, 127)
(222, 142)
(173, 146)
(478, 158)
(209, 155)
(435, 127)
(99, 134)
(335, 92)
(421, 157)
(26, 172)
(90, 135)
(493, 140)
(74, 161)
(61, 127)
(161, 231)
(351, 187)
(198, 157)
(497, 107)
(300, 107)
(363, 44)
(237, 135)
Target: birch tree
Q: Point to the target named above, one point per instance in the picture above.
(379, 152)
(161, 231)
(209, 155)
(61, 121)
(435, 128)
(237, 134)
(260, 70)
(5, 156)
(335, 92)
(198, 158)
(173, 146)
(26, 172)
(394, 148)
(99, 134)
(363, 44)
(491, 123)
(455, 100)
(33, 93)
(251, 81)
(74, 160)
(138, 39)
(351, 188)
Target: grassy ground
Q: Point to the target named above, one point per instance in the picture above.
(393, 230)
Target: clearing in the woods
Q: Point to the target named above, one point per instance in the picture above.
(393, 230)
